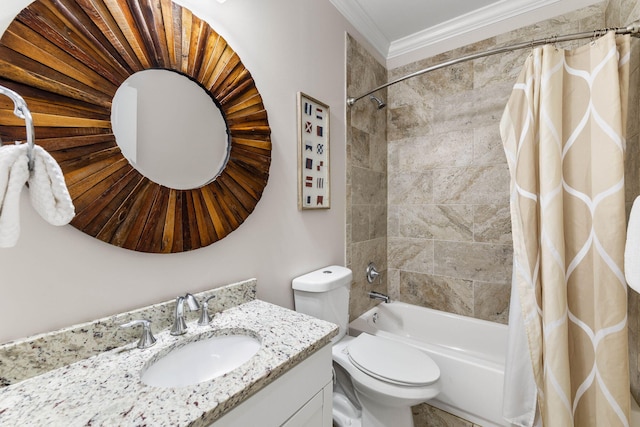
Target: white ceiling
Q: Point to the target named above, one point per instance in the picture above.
(402, 31)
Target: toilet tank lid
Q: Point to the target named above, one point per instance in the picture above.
(323, 279)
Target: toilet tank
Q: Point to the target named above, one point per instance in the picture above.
(324, 294)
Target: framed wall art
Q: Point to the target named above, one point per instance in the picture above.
(313, 153)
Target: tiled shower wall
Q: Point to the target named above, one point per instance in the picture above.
(366, 177)
(446, 242)
(449, 229)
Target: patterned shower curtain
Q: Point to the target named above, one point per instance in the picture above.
(564, 136)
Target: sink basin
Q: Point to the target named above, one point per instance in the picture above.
(200, 361)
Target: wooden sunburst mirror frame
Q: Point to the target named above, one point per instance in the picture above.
(67, 58)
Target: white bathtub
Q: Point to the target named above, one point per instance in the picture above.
(470, 353)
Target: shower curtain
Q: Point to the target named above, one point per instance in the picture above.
(563, 132)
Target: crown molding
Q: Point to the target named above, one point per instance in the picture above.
(365, 25)
(489, 21)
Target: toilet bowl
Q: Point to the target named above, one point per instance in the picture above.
(388, 378)
(376, 380)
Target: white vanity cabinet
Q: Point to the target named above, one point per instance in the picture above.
(302, 397)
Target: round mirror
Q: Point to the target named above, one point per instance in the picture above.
(68, 58)
(169, 129)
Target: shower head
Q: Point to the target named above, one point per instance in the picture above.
(379, 103)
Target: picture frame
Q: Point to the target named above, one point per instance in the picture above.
(314, 187)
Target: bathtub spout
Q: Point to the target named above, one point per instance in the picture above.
(380, 296)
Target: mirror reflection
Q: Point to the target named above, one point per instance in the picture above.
(170, 129)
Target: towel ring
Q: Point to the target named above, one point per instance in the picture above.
(22, 111)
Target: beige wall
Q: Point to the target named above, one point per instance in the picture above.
(57, 277)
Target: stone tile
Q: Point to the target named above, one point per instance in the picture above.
(473, 261)
(410, 188)
(487, 146)
(360, 145)
(409, 120)
(349, 175)
(612, 14)
(451, 149)
(633, 310)
(437, 292)
(378, 221)
(452, 79)
(364, 71)
(405, 93)
(629, 12)
(366, 174)
(369, 187)
(491, 301)
(360, 223)
(410, 254)
(447, 222)
(393, 221)
(425, 415)
(633, 109)
(500, 68)
(562, 24)
(374, 250)
(472, 185)
(378, 149)
(632, 169)
(591, 17)
(393, 283)
(394, 147)
(492, 224)
(470, 109)
(363, 253)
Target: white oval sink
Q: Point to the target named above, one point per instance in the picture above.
(201, 361)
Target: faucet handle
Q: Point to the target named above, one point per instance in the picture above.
(146, 339)
(204, 313)
(371, 272)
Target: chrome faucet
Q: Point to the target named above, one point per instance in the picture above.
(179, 325)
(380, 296)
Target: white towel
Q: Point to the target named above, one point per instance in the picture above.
(632, 248)
(14, 173)
(47, 190)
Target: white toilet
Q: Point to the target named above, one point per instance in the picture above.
(377, 380)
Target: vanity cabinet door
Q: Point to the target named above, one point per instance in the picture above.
(315, 413)
(301, 397)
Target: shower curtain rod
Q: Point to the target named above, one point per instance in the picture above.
(633, 29)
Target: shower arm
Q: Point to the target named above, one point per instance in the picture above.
(633, 29)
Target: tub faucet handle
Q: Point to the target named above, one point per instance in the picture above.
(372, 272)
(146, 339)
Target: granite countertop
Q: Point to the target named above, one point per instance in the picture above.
(105, 390)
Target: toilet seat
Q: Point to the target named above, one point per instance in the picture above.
(386, 393)
(392, 362)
